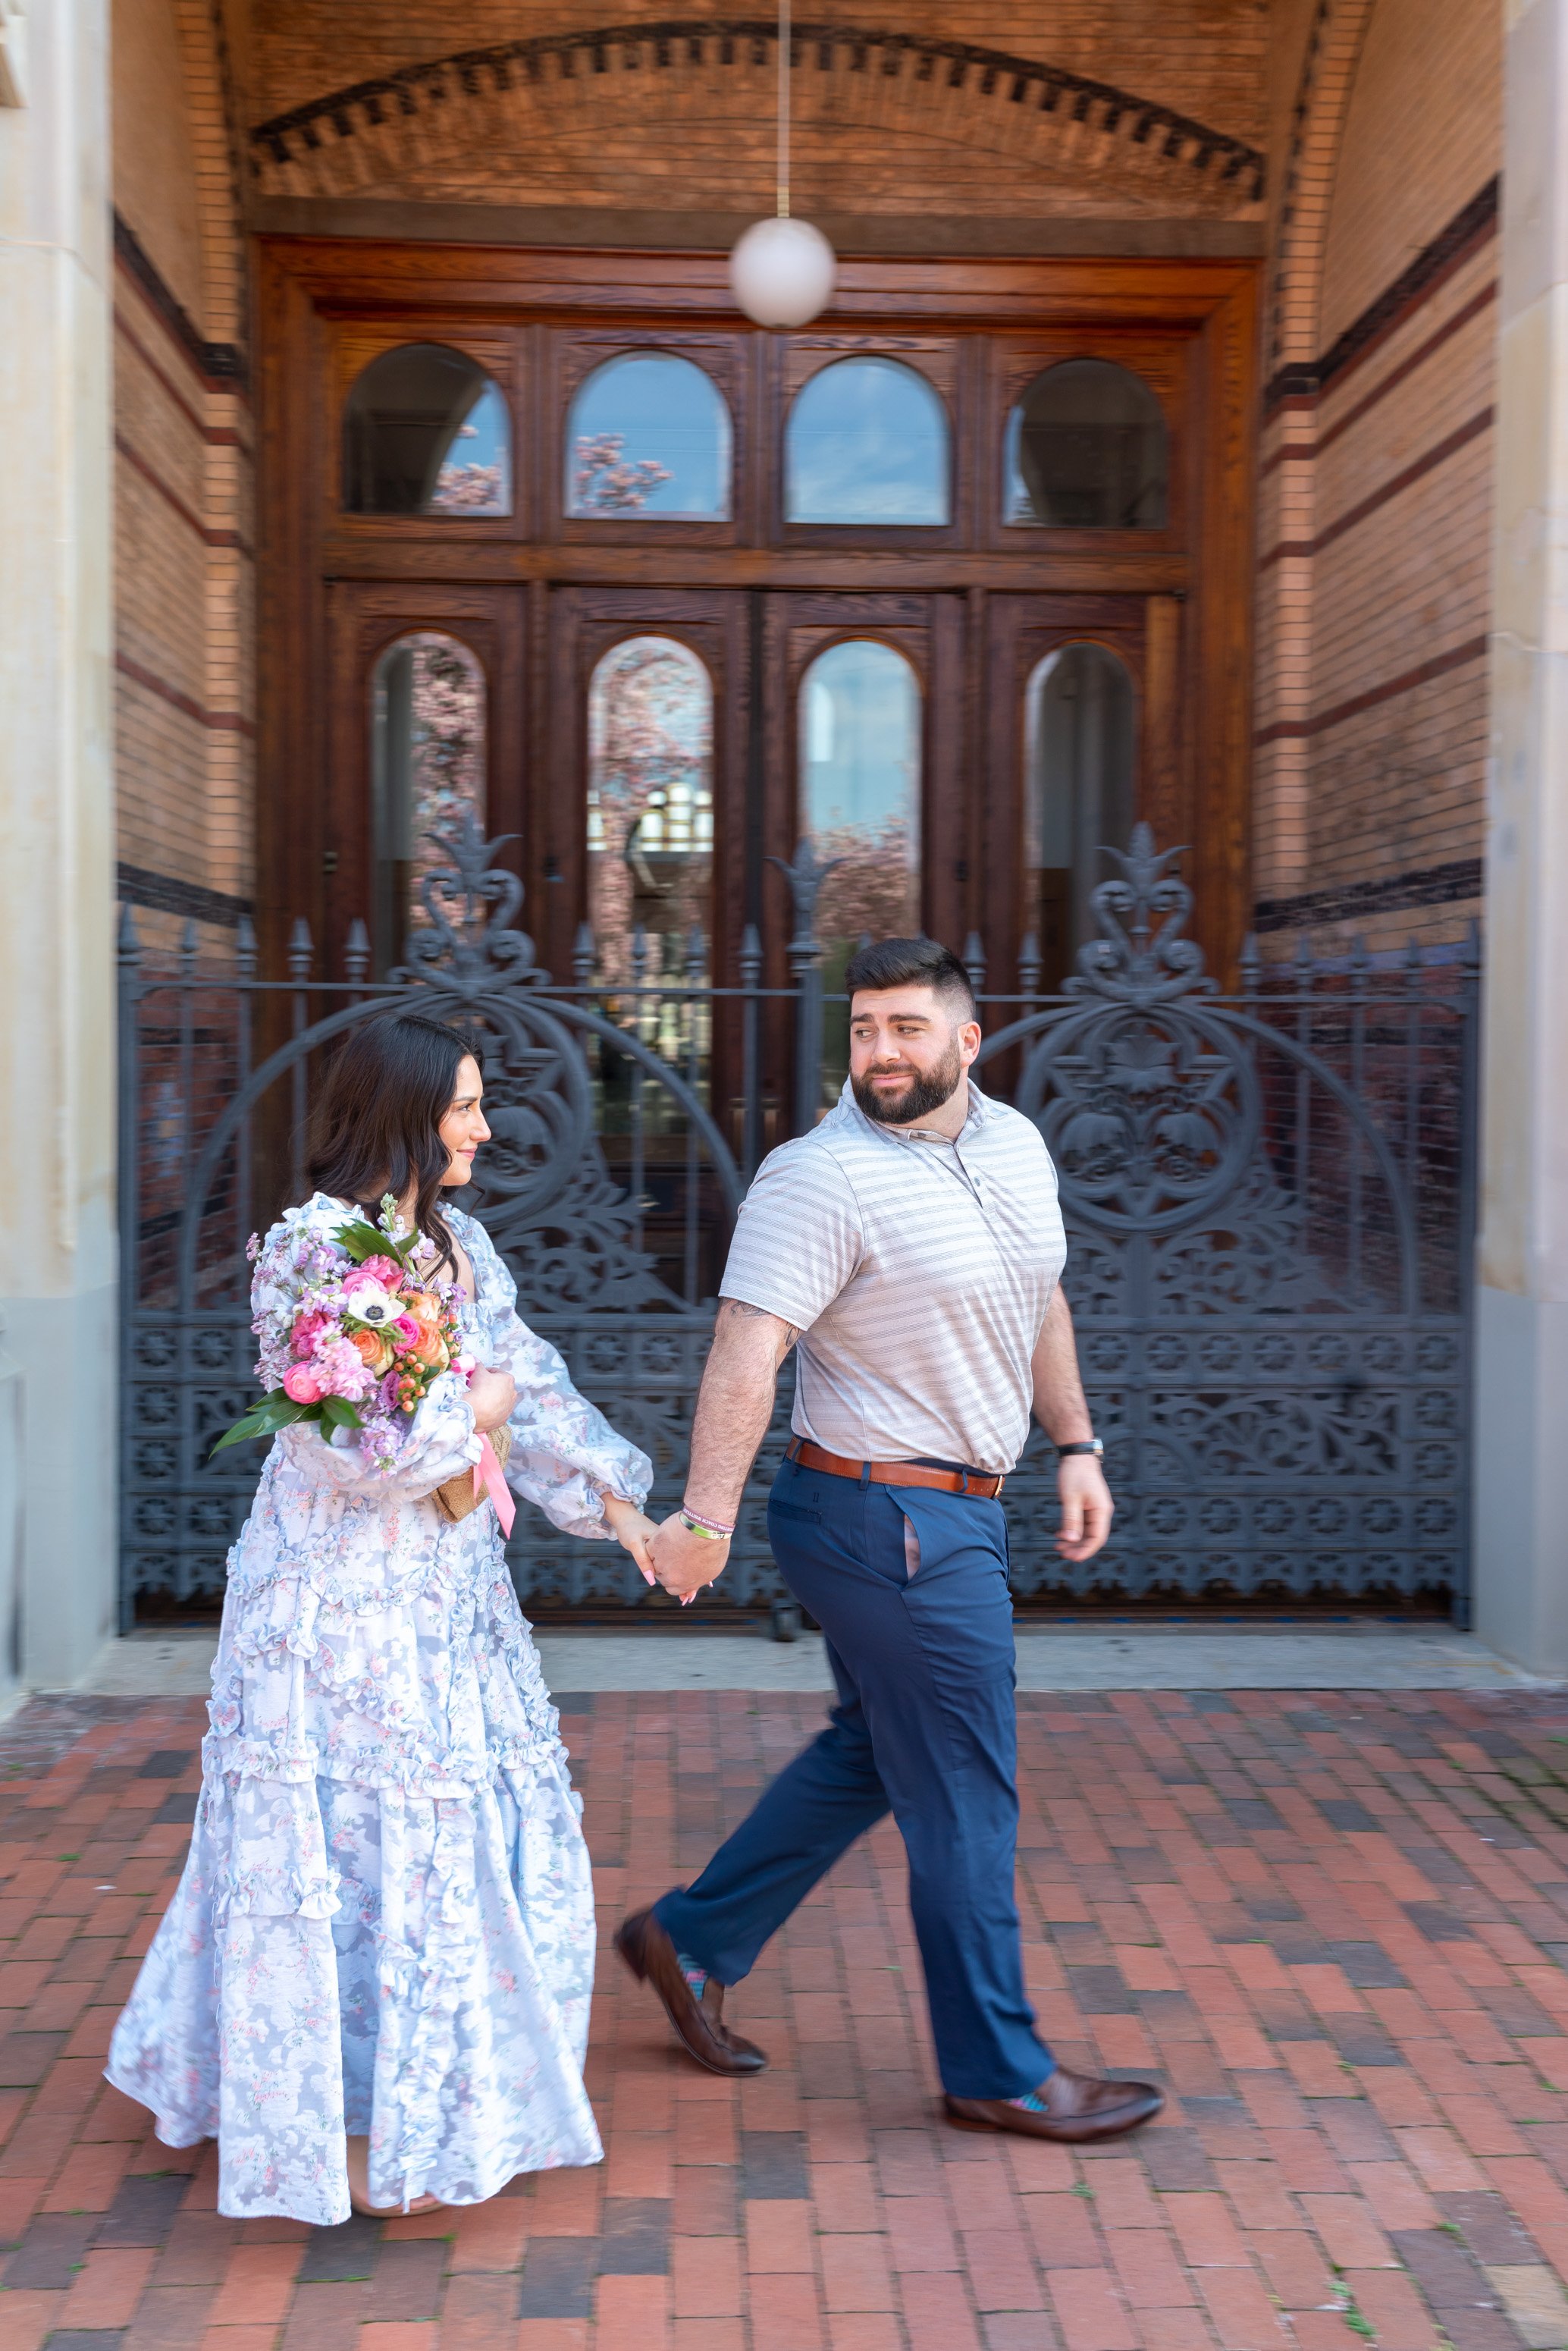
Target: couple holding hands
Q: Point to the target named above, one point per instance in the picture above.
(372, 1983)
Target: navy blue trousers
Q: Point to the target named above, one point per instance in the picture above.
(925, 1726)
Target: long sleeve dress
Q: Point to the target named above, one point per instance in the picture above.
(385, 1924)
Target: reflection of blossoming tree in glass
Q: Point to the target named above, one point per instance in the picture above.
(605, 482)
(446, 766)
(650, 803)
(468, 489)
(874, 890)
(875, 894)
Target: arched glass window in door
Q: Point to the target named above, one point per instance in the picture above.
(428, 761)
(648, 435)
(859, 727)
(650, 808)
(867, 443)
(425, 432)
(1081, 734)
(1087, 450)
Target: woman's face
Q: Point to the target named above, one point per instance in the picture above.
(462, 1130)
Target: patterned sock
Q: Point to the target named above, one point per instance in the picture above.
(696, 1977)
(1031, 2103)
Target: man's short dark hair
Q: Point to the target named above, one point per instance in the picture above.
(913, 963)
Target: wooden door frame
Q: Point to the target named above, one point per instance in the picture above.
(312, 292)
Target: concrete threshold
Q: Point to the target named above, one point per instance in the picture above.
(1352, 1655)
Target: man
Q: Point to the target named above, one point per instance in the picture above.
(912, 1244)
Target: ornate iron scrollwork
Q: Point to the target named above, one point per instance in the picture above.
(1267, 1243)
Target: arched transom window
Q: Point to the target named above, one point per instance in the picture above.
(425, 432)
(1087, 450)
(649, 436)
(867, 443)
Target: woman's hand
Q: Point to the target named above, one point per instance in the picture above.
(493, 1395)
(632, 1529)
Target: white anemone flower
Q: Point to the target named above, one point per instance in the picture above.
(372, 1307)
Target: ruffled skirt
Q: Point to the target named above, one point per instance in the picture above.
(385, 1923)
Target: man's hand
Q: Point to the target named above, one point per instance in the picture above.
(1086, 1507)
(683, 1561)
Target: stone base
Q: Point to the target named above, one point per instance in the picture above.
(66, 1353)
(1521, 1559)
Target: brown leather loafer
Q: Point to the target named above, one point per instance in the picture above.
(699, 2024)
(1075, 2106)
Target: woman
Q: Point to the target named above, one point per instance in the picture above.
(372, 1983)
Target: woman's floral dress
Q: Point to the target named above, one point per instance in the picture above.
(385, 1924)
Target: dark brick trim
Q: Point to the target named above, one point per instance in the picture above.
(1478, 301)
(137, 886)
(192, 520)
(1471, 226)
(225, 722)
(221, 366)
(1418, 467)
(1472, 649)
(1002, 78)
(1427, 885)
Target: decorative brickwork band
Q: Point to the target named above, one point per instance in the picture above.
(1145, 128)
(135, 886)
(1427, 885)
(222, 364)
(1471, 226)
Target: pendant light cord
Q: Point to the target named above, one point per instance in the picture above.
(784, 47)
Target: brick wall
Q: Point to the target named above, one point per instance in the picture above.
(1375, 539)
(183, 531)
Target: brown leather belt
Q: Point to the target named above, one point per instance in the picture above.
(986, 1487)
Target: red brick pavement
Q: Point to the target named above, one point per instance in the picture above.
(1334, 1925)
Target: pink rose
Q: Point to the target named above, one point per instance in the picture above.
(376, 1273)
(407, 1329)
(300, 1385)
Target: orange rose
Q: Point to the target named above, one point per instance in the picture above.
(374, 1351)
(424, 1308)
(430, 1348)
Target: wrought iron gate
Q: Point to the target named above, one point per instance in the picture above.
(1269, 1199)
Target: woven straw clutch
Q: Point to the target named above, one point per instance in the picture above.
(463, 1494)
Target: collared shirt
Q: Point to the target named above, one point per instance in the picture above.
(917, 1271)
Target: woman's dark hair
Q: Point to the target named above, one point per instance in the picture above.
(376, 1125)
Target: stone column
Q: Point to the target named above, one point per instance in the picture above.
(56, 822)
(1521, 1416)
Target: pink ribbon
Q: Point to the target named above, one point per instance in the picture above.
(487, 1478)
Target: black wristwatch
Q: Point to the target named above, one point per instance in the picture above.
(1085, 1445)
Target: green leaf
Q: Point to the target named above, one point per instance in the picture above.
(265, 1419)
(361, 1241)
(340, 1413)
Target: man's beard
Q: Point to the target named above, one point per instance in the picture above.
(924, 1094)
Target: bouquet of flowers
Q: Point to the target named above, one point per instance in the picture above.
(362, 1335)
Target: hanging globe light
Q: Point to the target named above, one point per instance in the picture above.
(782, 271)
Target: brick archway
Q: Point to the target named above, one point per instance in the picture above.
(404, 127)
